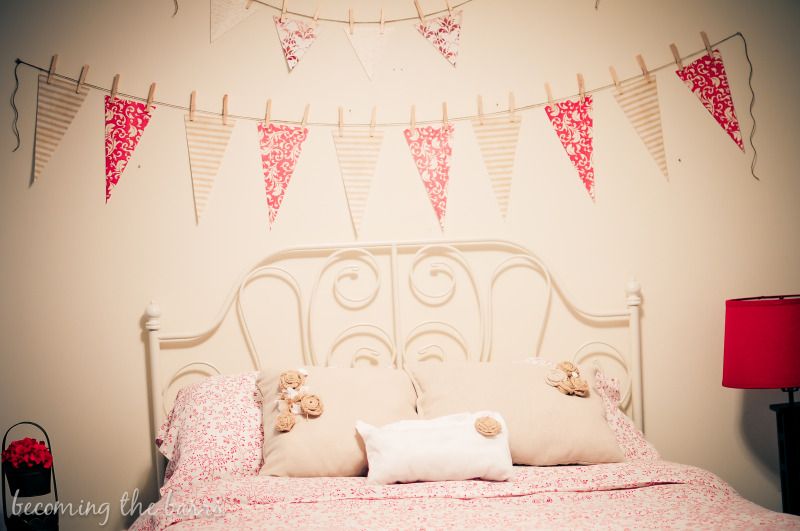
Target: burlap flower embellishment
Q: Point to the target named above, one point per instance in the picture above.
(291, 380)
(488, 426)
(311, 405)
(284, 422)
(295, 399)
(567, 379)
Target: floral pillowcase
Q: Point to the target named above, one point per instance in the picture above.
(214, 431)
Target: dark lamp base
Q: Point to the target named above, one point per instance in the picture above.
(788, 417)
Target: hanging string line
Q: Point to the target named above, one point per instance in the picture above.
(176, 8)
(15, 120)
(378, 124)
(752, 104)
(347, 21)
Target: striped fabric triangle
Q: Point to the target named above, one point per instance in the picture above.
(296, 38)
(56, 106)
(280, 149)
(207, 139)
(431, 150)
(444, 33)
(225, 14)
(125, 123)
(638, 99)
(497, 138)
(572, 122)
(357, 151)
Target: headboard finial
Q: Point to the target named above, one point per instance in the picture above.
(153, 312)
(633, 290)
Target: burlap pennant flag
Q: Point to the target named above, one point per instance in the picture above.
(280, 149)
(357, 150)
(497, 138)
(125, 123)
(368, 42)
(56, 105)
(444, 33)
(638, 99)
(225, 14)
(431, 151)
(572, 122)
(207, 139)
(706, 77)
(296, 38)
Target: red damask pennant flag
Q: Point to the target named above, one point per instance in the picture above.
(430, 148)
(280, 149)
(706, 77)
(125, 123)
(444, 33)
(296, 38)
(573, 124)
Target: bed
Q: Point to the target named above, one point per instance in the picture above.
(449, 316)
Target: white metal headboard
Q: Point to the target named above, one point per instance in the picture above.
(400, 303)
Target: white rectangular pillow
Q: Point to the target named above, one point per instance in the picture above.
(445, 448)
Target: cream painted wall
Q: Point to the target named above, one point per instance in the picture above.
(77, 274)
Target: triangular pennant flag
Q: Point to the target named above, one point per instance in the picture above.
(296, 38)
(430, 148)
(444, 33)
(207, 139)
(225, 14)
(368, 43)
(573, 124)
(497, 138)
(56, 106)
(638, 99)
(125, 123)
(357, 151)
(706, 77)
(280, 148)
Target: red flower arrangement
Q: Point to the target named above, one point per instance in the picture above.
(28, 452)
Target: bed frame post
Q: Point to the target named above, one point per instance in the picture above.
(633, 290)
(153, 326)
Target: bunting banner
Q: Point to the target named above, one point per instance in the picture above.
(125, 123)
(57, 104)
(280, 149)
(431, 151)
(497, 139)
(573, 124)
(638, 99)
(706, 77)
(207, 139)
(357, 151)
(225, 14)
(368, 43)
(444, 33)
(296, 38)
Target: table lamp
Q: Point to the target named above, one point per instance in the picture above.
(762, 351)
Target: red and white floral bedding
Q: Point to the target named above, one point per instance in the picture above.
(634, 494)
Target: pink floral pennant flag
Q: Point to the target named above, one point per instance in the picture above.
(706, 77)
(357, 150)
(207, 138)
(125, 123)
(431, 151)
(280, 149)
(296, 38)
(573, 124)
(225, 14)
(444, 33)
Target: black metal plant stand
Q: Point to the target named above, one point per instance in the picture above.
(35, 485)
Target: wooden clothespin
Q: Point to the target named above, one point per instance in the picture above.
(615, 78)
(268, 113)
(480, 109)
(581, 88)
(316, 15)
(82, 78)
(350, 18)
(383, 21)
(444, 112)
(341, 120)
(449, 7)
(283, 11)
(512, 107)
(676, 55)
(114, 87)
(192, 105)
(248, 4)
(225, 109)
(150, 95)
(549, 93)
(304, 121)
(419, 11)
(52, 71)
(413, 118)
(372, 121)
(643, 66)
(706, 43)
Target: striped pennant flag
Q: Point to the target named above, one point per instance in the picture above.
(357, 150)
(207, 139)
(225, 14)
(638, 99)
(56, 106)
(497, 139)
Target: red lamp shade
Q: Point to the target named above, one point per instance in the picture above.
(762, 343)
